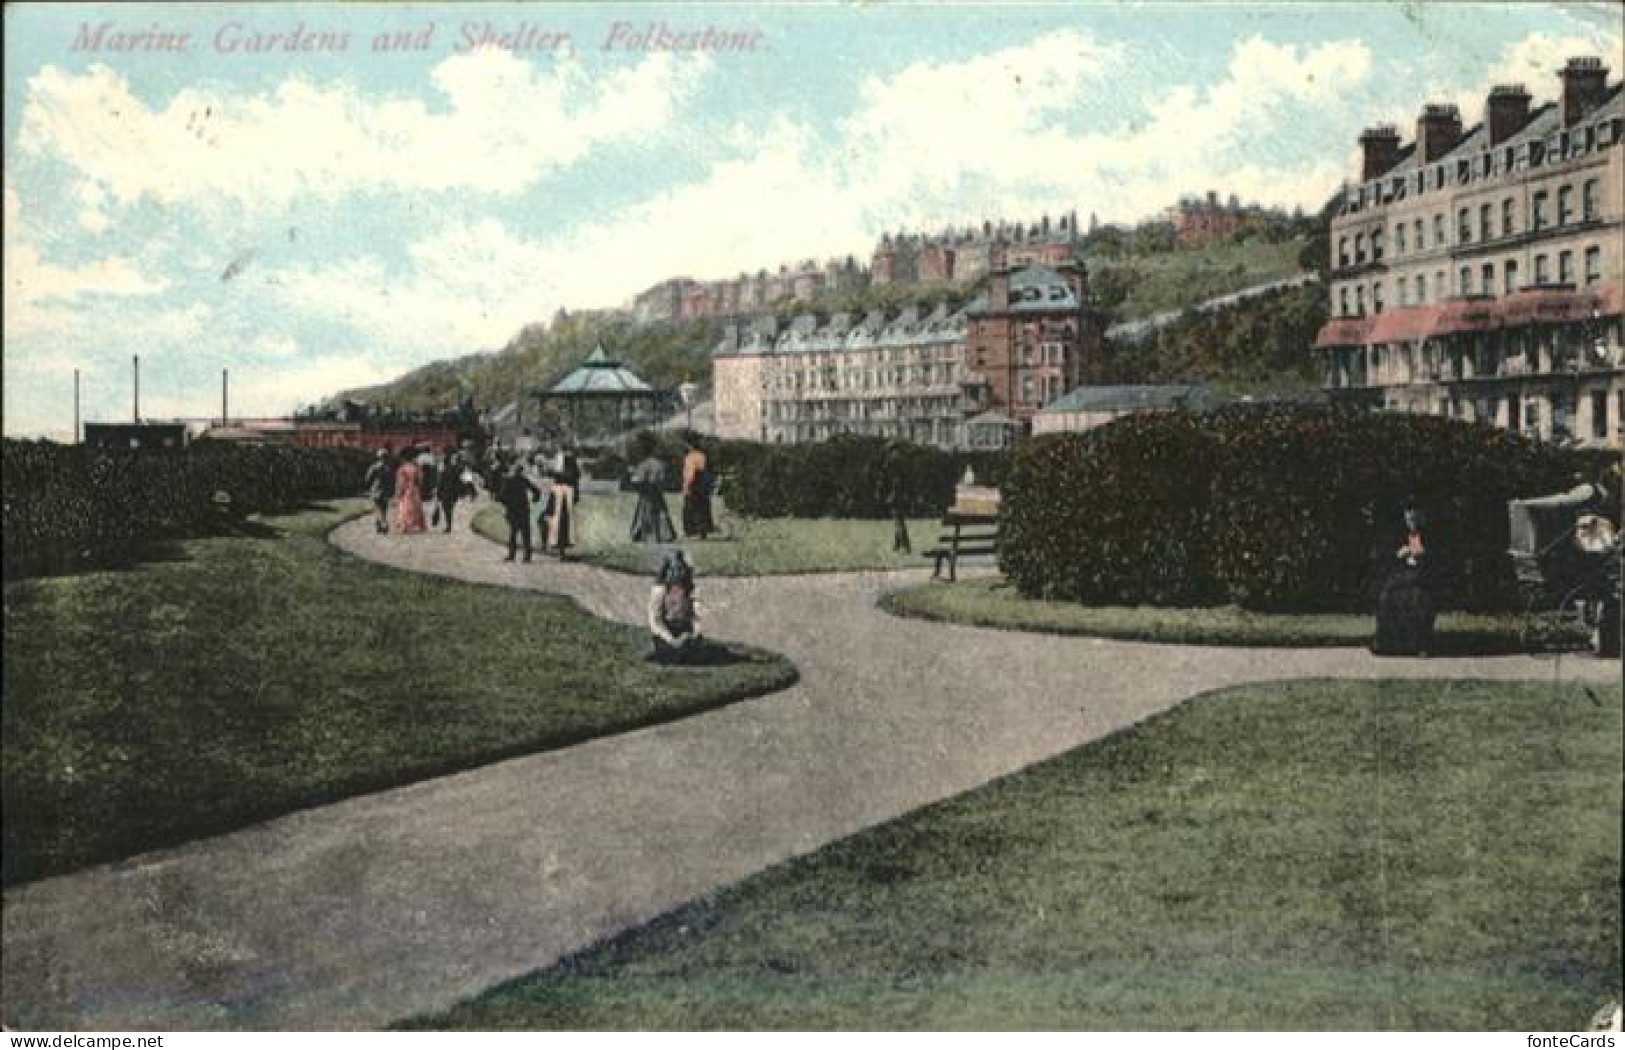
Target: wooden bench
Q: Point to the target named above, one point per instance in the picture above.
(964, 535)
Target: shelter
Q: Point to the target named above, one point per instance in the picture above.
(600, 400)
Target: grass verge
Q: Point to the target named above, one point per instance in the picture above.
(756, 547)
(989, 601)
(1309, 855)
(257, 675)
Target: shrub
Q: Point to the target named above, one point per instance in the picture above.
(71, 506)
(1279, 508)
(1114, 517)
(846, 477)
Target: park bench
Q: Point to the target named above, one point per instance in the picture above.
(965, 533)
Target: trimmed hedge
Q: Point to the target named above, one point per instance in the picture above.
(845, 477)
(73, 506)
(1279, 509)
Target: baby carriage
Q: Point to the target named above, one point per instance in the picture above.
(1565, 552)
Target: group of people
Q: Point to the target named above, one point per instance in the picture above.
(406, 480)
(548, 486)
(542, 491)
(651, 521)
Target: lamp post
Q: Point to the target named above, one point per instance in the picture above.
(686, 391)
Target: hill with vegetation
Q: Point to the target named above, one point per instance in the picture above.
(1134, 273)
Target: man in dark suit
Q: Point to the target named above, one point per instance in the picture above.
(515, 494)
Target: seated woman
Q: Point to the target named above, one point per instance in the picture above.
(674, 623)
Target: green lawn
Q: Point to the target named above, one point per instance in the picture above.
(757, 547)
(254, 676)
(1313, 855)
(988, 601)
(1174, 280)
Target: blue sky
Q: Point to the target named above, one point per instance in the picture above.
(315, 220)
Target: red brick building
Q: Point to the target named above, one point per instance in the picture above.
(1032, 338)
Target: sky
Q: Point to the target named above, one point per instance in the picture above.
(183, 185)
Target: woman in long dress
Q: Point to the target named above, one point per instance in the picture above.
(651, 522)
(409, 496)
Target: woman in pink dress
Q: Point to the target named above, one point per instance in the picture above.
(409, 495)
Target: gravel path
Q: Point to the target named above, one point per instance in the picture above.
(358, 914)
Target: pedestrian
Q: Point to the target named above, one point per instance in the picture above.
(697, 479)
(409, 494)
(452, 485)
(1405, 606)
(381, 488)
(430, 464)
(674, 621)
(515, 493)
(561, 511)
(651, 521)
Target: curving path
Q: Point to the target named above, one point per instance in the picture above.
(380, 907)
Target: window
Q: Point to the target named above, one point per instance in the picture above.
(1421, 288)
(1565, 267)
(1399, 238)
(1376, 297)
(1509, 274)
(1359, 300)
(1376, 245)
(1464, 229)
(1593, 264)
(1403, 289)
(1588, 201)
(1538, 220)
(1359, 248)
(1565, 205)
(1486, 283)
(1486, 219)
(1421, 236)
(1599, 414)
(1542, 274)
(1027, 393)
(1343, 297)
(1464, 281)
(1507, 216)
(1438, 229)
(1342, 251)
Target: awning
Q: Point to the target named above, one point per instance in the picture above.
(1343, 331)
(1546, 306)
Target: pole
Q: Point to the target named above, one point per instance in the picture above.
(136, 361)
(76, 406)
(225, 375)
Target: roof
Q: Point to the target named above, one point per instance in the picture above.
(600, 374)
(1033, 289)
(1133, 398)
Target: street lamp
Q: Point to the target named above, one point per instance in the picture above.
(686, 391)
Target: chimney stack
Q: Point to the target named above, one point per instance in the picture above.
(1585, 81)
(1438, 130)
(1380, 147)
(1506, 112)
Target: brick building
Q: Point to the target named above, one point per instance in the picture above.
(1476, 272)
(1200, 220)
(1030, 339)
(963, 256)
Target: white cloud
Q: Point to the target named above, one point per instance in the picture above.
(501, 124)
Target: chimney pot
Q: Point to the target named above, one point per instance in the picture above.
(1380, 147)
(1438, 130)
(1585, 82)
(1506, 112)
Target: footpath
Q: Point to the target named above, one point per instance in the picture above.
(358, 914)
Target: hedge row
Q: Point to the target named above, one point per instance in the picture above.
(72, 506)
(845, 477)
(1273, 509)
